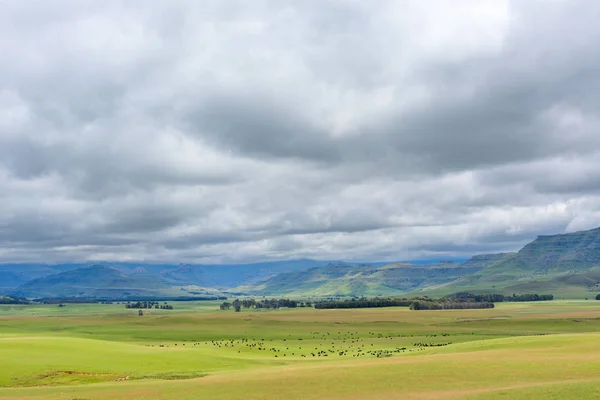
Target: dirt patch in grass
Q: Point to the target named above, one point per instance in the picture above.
(172, 376)
(55, 378)
(59, 378)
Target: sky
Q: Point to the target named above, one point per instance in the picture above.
(221, 131)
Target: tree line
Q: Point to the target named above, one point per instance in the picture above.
(414, 303)
(364, 302)
(237, 304)
(498, 298)
(462, 300)
(449, 305)
(149, 304)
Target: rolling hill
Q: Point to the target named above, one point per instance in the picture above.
(203, 276)
(566, 264)
(195, 279)
(231, 275)
(94, 281)
(14, 275)
(368, 280)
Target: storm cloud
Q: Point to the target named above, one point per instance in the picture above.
(221, 131)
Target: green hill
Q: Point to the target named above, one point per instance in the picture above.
(94, 281)
(565, 264)
(570, 252)
(343, 279)
(485, 260)
(231, 275)
(203, 276)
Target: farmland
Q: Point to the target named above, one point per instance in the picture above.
(97, 351)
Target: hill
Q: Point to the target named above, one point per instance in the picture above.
(14, 275)
(204, 276)
(565, 264)
(231, 275)
(485, 260)
(94, 281)
(367, 280)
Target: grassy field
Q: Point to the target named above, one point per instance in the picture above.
(547, 350)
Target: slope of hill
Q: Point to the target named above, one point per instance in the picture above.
(232, 275)
(14, 275)
(94, 281)
(569, 252)
(485, 260)
(565, 264)
(344, 279)
(210, 275)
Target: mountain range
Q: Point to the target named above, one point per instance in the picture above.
(566, 265)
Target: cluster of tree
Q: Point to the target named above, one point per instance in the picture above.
(598, 296)
(455, 301)
(149, 304)
(166, 298)
(498, 298)
(110, 300)
(449, 305)
(363, 302)
(476, 298)
(237, 304)
(529, 297)
(13, 300)
(66, 300)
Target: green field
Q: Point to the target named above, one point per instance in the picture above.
(545, 350)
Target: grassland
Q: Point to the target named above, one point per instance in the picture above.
(516, 350)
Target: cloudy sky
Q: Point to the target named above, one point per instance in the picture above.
(222, 131)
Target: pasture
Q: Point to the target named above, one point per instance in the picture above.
(540, 350)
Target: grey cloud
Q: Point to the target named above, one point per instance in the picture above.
(229, 131)
(261, 127)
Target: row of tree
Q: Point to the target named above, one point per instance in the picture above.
(415, 303)
(364, 302)
(149, 304)
(498, 298)
(237, 304)
(449, 305)
(461, 300)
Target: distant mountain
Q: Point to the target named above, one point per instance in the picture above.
(567, 264)
(368, 280)
(212, 276)
(13, 275)
(569, 252)
(485, 260)
(205, 276)
(94, 281)
(232, 275)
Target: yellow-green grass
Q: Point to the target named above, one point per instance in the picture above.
(106, 351)
(546, 365)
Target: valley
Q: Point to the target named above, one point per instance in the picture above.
(103, 351)
(566, 265)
